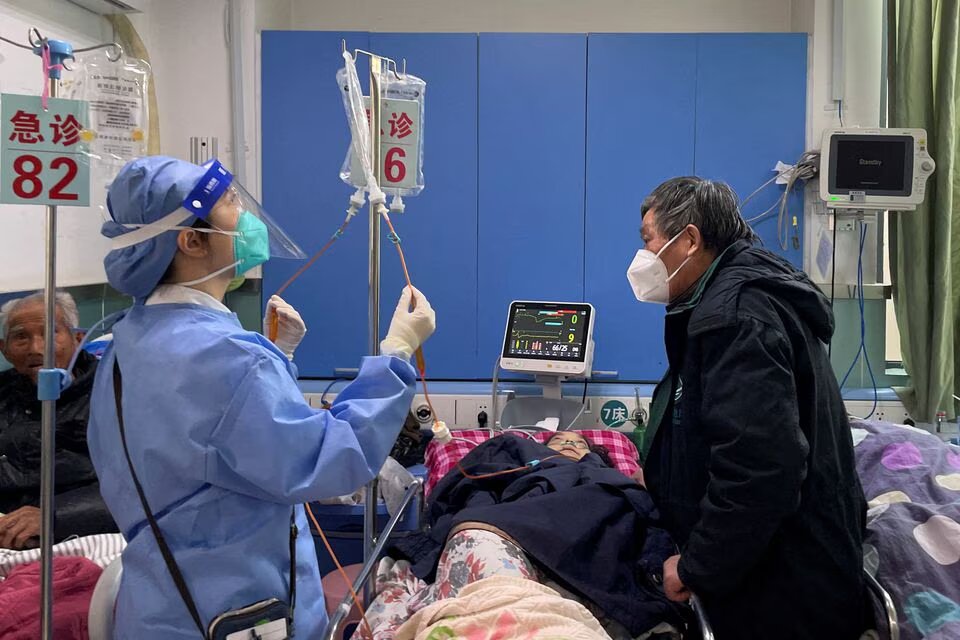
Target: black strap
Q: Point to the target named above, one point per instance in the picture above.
(292, 589)
(168, 558)
(161, 542)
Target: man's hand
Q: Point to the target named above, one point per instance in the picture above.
(673, 587)
(17, 528)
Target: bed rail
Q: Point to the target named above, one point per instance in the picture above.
(881, 594)
(343, 610)
(706, 631)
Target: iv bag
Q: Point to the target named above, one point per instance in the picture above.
(401, 135)
(117, 95)
(116, 128)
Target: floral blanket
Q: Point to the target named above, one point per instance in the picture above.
(470, 557)
(503, 608)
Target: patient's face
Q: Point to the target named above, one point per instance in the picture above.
(570, 444)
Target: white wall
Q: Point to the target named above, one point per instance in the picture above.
(862, 49)
(862, 68)
(575, 16)
(273, 14)
(862, 53)
(188, 41)
(188, 50)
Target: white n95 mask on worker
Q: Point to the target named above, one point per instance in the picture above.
(648, 275)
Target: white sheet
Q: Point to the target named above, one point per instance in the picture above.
(101, 549)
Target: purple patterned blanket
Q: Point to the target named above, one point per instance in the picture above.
(912, 483)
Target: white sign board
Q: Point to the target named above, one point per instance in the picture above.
(399, 144)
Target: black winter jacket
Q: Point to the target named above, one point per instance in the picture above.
(79, 509)
(751, 456)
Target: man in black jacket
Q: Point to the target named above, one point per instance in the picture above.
(79, 509)
(749, 453)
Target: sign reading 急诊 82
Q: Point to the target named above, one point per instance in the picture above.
(41, 156)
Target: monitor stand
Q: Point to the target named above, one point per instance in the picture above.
(552, 385)
(551, 407)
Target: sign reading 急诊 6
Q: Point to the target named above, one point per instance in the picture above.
(399, 144)
(41, 159)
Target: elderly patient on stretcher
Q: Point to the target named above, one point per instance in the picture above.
(557, 514)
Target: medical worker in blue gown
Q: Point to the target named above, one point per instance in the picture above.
(221, 438)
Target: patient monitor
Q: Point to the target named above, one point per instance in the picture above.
(551, 340)
(874, 169)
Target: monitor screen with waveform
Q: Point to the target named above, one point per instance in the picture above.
(547, 331)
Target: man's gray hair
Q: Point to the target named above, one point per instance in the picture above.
(711, 206)
(65, 302)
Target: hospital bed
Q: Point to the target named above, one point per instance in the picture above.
(442, 458)
(101, 608)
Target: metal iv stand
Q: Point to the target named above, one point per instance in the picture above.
(50, 380)
(370, 510)
(377, 70)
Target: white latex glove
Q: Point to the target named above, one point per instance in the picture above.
(409, 329)
(290, 326)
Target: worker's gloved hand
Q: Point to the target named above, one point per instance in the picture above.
(409, 328)
(290, 326)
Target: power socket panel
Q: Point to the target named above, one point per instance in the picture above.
(603, 408)
(468, 407)
(444, 405)
(461, 411)
(886, 411)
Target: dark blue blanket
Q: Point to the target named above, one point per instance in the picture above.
(591, 528)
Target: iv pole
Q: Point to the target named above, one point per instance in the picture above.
(50, 379)
(370, 510)
(49, 406)
(378, 66)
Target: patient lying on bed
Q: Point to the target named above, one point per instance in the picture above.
(557, 514)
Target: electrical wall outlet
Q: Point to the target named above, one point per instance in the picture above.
(444, 405)
(602, 412)
(203, 149)
(887, 411)
(461, 411)
(468, 409)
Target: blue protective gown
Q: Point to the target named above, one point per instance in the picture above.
(225, 445)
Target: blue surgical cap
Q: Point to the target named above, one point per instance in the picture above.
(146, 190)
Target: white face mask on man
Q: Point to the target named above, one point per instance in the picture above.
(648, 275)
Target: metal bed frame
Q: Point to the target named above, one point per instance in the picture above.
(882, 599)
(342, 612)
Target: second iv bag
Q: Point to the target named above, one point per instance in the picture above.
(401, 134)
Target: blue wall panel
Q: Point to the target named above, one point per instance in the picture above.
(531, 186)
(534, 179)
(751, 112)
(439, 229)
(640, 132)
(305, 138)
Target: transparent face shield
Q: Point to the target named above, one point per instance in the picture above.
(239, 214)
(225, 207)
